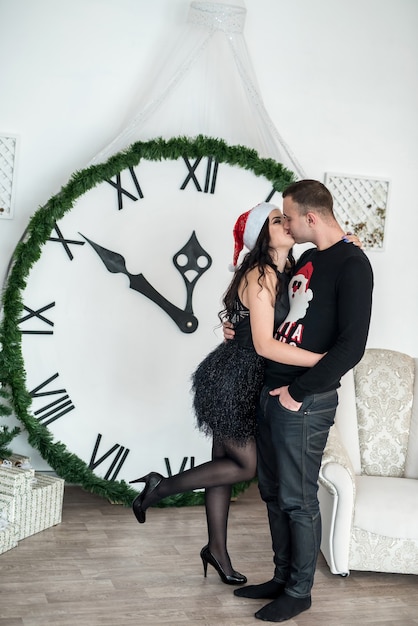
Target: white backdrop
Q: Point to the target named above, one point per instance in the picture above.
(339, 80)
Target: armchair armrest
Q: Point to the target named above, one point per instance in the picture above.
(336, 454)
(337, 491)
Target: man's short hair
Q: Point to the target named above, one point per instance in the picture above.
(310, 195)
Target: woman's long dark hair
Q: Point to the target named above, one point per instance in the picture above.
(259, 256)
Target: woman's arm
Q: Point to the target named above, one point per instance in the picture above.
(260, 301)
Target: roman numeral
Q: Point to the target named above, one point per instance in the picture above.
(210, 175)
(52, 410)
(42, 318)
(182, 467)
(270, 195)
(117, 462)
(65, 242)
(121, 191)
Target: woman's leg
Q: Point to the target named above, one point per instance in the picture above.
(231, 463)
(217, 498)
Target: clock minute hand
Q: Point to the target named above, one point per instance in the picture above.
(192, 261)
(116, 264)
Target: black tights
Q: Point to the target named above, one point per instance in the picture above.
(230, 464)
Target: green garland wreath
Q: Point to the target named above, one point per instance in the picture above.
(12, 371)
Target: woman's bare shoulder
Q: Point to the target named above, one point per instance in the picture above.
(267, 280)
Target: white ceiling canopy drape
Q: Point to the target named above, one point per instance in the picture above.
(206, 85)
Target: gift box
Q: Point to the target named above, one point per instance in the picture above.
(7, 507)
(33, 500)
(41, 507)
(8, 537)
(15, 481)
(20, 460)
(8, 530)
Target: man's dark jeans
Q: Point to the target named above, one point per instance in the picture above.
(290, 445)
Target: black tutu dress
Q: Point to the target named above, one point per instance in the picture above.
(228, 382)
(227, 385)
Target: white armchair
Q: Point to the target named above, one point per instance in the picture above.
(368, 482)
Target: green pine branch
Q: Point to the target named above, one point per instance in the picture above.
(6, 434)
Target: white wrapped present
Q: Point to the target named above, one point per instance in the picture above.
(8, 537)
(15, 481)
(8, 530)
(41, 508)
(20, 460)
(33, 500)
(7, 507)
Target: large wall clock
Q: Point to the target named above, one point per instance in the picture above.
(112, 300)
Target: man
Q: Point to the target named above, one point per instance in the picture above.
(330, 305)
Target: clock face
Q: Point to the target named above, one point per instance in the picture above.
(122, 305)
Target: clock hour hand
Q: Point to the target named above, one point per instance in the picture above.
(116, 264)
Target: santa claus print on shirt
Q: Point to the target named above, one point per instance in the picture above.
(300, 295)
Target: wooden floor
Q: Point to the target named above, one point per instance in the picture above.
(99, 567)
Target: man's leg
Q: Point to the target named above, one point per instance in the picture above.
(299, 438)
(268, 486)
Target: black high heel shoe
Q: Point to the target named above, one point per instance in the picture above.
(207, 557)
(151, 480)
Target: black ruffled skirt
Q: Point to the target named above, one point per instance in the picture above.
(227, 386)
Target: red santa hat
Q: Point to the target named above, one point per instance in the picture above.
(248, 227)
(306, 271)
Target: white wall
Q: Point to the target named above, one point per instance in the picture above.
(339, 79)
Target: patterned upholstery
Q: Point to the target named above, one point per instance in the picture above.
(384, 383)
(368, 484)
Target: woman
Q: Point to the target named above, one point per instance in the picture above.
(227, 383)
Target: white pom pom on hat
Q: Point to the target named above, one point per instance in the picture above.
(248, 227)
